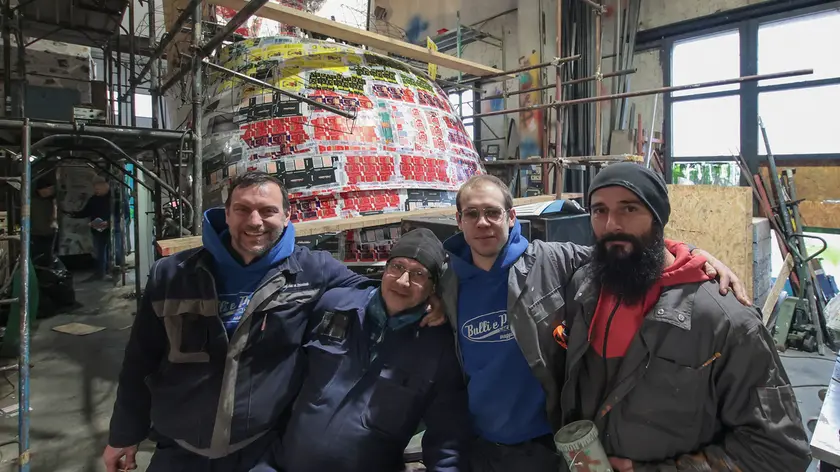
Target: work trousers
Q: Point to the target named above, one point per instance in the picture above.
(536, 455)
(169, 457)
(102, 250)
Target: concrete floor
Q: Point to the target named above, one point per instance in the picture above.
(74, 384)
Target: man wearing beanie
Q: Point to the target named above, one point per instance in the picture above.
(374, 374)
(503, 298)
(675, 375)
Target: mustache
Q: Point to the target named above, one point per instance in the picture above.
(619, 237)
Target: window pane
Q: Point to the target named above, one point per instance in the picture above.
(800, 121)
(706, 173)
(805, 42)
(706, 59)
(470, 131)
(143, 108)
(709, 127)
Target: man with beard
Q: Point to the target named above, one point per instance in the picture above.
(675, 375)
(504, 297)
(214, 361)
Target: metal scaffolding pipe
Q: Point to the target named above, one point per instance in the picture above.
(131, 62)
(641, 93)
(565, 84)
(119, 83)
(267, 85)
(599, 9)
(201, 52)
(122, 154)
(197, 95)
(554, 62)
(247, 11)
(167, 38)
(21, 63)
(598, 124)
(89, 130)
(559, 174)
(23, 363)
(7, 56)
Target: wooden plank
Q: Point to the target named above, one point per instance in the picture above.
(334, 29)
(171, 246)
(778, 286)
(718, 220)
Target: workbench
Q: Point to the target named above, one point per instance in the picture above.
(825, 442)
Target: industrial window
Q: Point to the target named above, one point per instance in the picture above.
(143, 108)
(709, 125)
(801, 118)
(463, 105)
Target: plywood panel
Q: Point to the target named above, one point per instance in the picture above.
(718, 220)
(820, 214)
(815, 183)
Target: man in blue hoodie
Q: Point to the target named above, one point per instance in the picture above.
(503, 298)
(214, 359)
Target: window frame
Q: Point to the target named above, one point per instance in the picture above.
(748, 92)
(459, 111)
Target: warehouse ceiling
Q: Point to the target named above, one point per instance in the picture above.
(83, 22)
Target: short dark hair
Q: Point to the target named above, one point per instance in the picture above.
(484, 179)
(250, 179)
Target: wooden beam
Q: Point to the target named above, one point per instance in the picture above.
(334, 29)
(168, 247)
(778, 286)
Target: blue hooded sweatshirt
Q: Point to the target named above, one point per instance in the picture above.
(236, 282)
(507, 402)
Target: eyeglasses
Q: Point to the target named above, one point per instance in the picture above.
(416, 277)
(491, 214)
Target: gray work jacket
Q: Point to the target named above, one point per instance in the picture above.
(701, 386)
(536, 284)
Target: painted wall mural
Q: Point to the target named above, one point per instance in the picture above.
(530, 122)
(406, 149)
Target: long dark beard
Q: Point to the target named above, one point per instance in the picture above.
(630, 275)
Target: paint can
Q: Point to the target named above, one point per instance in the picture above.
(579, 444)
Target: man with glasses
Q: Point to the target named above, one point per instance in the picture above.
(374, 374)
(503, 298)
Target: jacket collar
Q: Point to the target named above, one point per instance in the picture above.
(203, 259)
(524, 263)
(673, 307)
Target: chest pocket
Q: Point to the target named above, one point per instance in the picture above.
(188, 336)
(669, 396)
(187, 330)
(549, 304)
(325, 354)
(395, 403)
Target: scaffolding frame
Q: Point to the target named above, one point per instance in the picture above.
(558, 104)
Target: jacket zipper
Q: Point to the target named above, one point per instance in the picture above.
(604, 350)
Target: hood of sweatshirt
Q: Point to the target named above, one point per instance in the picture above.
(461, 256)
(216, 239)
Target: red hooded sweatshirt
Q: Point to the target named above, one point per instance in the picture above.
(627, 319)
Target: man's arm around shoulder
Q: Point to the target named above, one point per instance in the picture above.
(757, 406)
(335, 274)
(448, 428)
